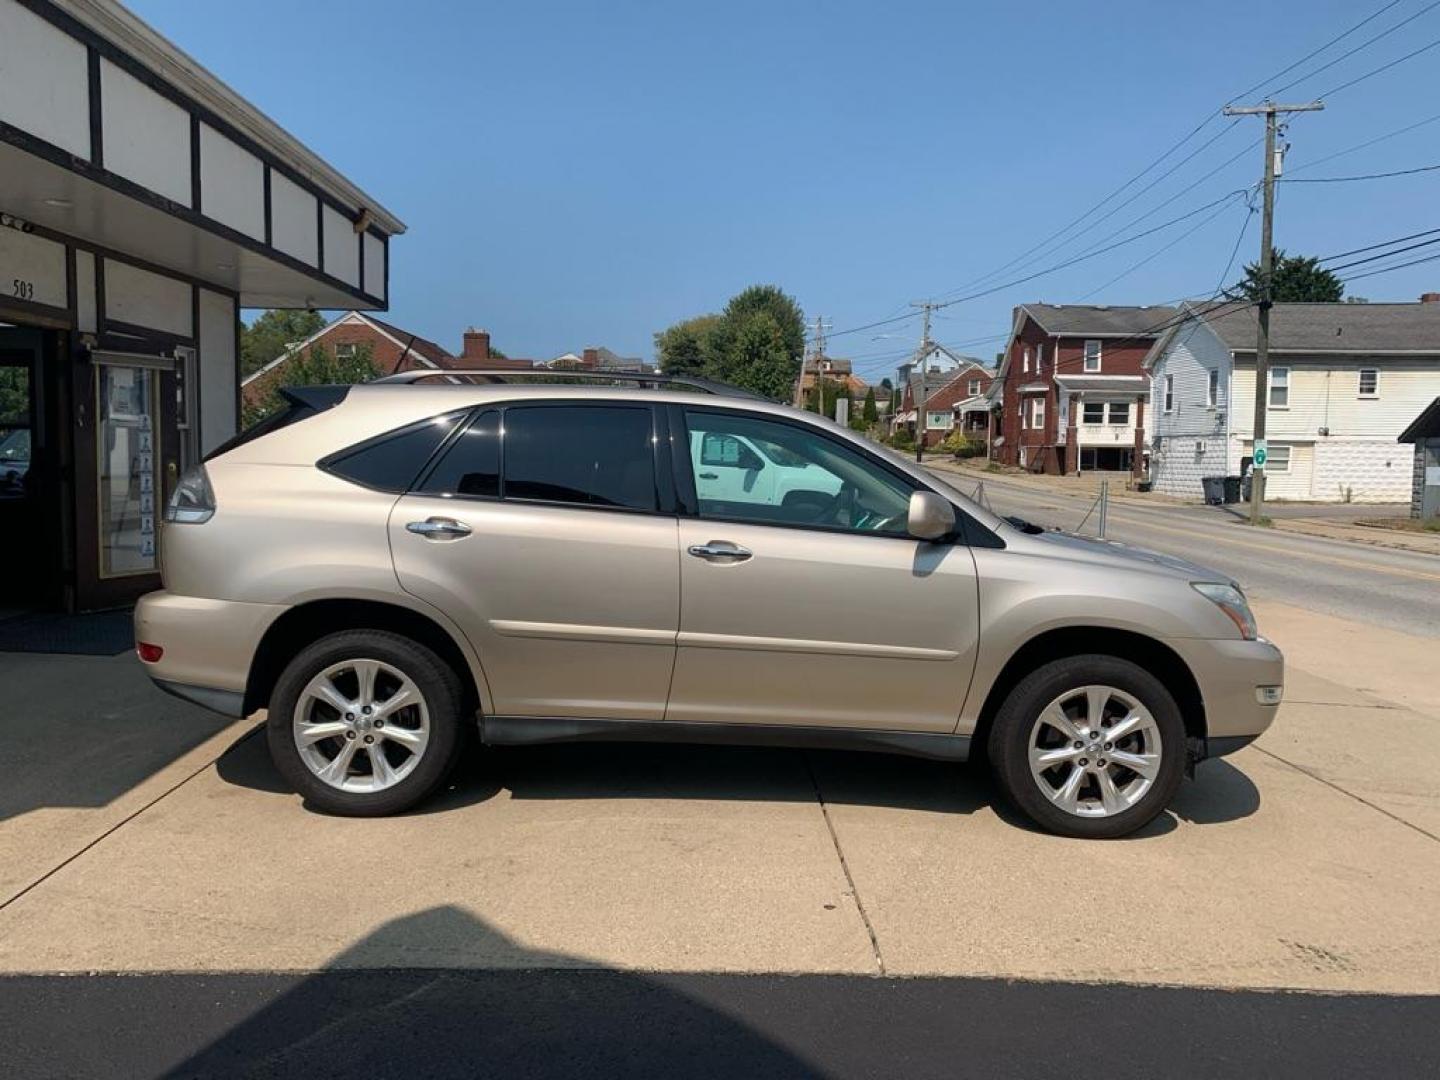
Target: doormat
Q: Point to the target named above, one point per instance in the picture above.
(105, 633)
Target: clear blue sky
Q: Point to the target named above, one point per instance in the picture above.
(586, 173)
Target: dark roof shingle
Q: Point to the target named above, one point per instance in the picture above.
(1352, 328)
(1077, 320)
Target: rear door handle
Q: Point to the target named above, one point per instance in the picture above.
(709, 476)
(720, 551)
(439, 528)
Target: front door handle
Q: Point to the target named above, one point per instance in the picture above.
(709, 476)
(720, 551)
(439, 528)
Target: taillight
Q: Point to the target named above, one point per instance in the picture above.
(194, 499)
(151, 654)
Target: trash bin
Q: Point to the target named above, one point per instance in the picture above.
(1214, 487)
(1232, 489)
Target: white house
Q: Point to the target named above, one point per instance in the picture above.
(1345, 379)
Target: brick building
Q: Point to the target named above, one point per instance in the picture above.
(954, 398)
(1072, 388)
(392, 348)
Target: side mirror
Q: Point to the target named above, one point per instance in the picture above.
(931, 517)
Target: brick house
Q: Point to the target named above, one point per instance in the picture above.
(954, 398)
(832, 369)
(392, 348)
(599, 358)
(1072, 388)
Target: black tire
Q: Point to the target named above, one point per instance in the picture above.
(1008, 745)
(439, 685)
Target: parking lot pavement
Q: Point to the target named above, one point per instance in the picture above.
(1306, 861)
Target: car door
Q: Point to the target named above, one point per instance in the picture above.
(546, 532)
(798, 612)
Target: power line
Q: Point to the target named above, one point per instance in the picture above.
(1229, 263)
(1365, 145)
(1358, 48)
(1092, 253)
(1364, 176)
(1387, 269)
(1313, 53)
(1157, 253)
(1385, 255)
(1383, 243)
(1383, 67)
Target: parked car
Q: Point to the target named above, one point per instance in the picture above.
(382, 566)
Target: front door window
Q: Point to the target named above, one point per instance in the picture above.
(770, 473)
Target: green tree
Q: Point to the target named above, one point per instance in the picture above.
(1296, 279)
(272, 333)
(870, 412)
(755, 343)
(773, 301)
(755, 356)
(688, 347)
(316, 366)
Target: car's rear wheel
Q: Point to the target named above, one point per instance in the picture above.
(1089, 746)
(365, 723)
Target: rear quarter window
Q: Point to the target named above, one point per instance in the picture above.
(392, 461)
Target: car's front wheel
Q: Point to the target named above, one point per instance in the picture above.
(365, 723)
(1089, 746)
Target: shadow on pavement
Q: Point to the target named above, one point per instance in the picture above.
(548, 1015)
(763, 774)
(80, 731)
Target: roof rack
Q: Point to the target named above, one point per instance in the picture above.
(506, 375)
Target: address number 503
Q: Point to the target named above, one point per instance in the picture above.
(24, 290)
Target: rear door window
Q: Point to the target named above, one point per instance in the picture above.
(471, 466)
(583, 455)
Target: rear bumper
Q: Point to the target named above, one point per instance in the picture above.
(225, 702)
(207, 645)
(1230, 674)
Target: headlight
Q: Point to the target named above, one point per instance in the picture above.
(193, 501)
(1230, 600)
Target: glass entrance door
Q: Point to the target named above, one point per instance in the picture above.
(127, 412)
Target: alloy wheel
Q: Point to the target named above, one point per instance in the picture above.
(361, 725)
(1095, 751)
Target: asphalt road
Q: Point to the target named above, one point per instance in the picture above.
(582, 1023)
(1383, 586)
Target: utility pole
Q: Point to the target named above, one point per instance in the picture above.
(817, 350)
(1269, 110)
(922, 359)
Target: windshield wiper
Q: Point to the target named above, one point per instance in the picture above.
(1023, 525)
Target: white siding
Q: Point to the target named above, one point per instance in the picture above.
(1324, 393)
(1296, 483)
(1190, 440)
(144, 299)
(146, 136)
(1376, 470)
(232, 184)
(44, 80)
(342, 248)
(217, 369)
(374, 266)
(85, 309)
(32, 268)
(292, 220)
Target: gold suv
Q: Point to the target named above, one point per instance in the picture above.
(667, 559)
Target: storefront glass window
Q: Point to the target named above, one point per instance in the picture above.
(125, 441)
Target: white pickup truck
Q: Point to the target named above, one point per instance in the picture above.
(737, 469)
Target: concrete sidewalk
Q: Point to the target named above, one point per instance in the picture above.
(1309, 860)
(1331, 521)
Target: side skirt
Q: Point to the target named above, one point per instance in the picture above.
(534, 730)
